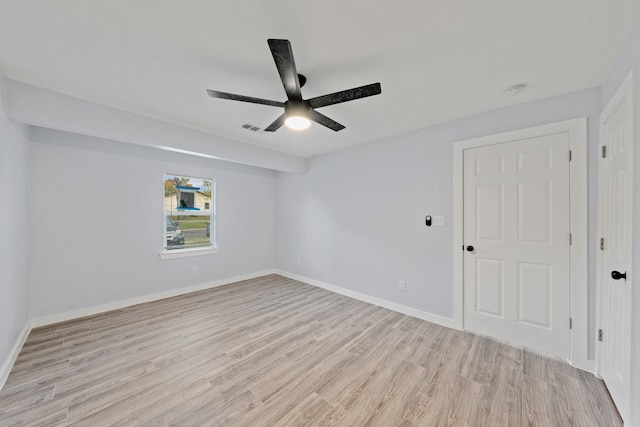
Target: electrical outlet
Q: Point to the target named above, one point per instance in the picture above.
(11, 318)
(299, 261)
(402, 285)
(194, 269)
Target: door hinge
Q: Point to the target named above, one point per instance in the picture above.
(569, 155)
(570, 239)
(602, 243)
(570, 323)
(604, 151)
(600, 335)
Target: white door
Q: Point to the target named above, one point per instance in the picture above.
(517, 242)
(615, 256)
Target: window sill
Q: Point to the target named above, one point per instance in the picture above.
(183, 253)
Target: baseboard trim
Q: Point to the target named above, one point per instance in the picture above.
(584, 364)
(13, 355)
(409, 311)
(97, 309)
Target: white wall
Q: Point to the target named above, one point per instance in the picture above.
(356, 218)
(96, 218)
(629, 60)
(14, 182)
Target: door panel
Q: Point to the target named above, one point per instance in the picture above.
(616, 228)
(516, 216)
(490, 165)
(489, 294)
(489, 218)
(534, 294)
(533, 159)
(534, 212)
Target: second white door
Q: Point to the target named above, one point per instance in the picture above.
(615, 225)
(517, 242)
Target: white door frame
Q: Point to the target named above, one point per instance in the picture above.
(577, 130)
(625, 91)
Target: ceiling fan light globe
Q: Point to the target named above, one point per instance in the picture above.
(297, 122)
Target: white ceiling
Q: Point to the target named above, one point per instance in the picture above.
(436, 59)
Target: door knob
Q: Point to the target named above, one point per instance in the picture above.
(616, 275)
(470, 248)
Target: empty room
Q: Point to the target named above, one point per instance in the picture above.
(335, 214)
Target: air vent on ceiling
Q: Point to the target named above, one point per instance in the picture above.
(251, 127)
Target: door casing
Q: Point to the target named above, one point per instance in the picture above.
(577, 130)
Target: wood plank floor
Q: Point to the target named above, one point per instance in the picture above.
(276, 352)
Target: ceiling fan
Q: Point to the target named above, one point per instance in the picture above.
(298, 111)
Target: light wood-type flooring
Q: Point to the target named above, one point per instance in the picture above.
(276, 352)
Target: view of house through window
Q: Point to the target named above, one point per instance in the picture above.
(189, 212)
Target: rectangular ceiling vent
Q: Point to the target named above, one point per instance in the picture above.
(251, 127)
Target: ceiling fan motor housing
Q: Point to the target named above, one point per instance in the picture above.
(297, 108)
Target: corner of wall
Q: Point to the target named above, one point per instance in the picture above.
(14, 176)
(5, 368)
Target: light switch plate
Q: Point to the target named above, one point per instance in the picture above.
(438, 220)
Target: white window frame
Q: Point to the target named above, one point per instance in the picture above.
(190, 252)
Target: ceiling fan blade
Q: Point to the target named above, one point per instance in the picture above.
(283, 57)
(277, 124)
(234, 97)
(325, 121)
(345, 95)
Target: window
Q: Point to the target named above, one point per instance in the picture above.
(189, 226)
